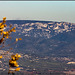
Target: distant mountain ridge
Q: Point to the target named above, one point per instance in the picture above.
(41, 28)
(44, 38)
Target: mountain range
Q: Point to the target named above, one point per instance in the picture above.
(43, 38)
(46, 46)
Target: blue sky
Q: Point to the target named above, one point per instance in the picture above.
(38, 10)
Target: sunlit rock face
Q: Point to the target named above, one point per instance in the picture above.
(45, 29)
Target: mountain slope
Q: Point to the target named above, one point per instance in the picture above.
(44, 38)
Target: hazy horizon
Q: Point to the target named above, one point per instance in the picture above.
(38, 10)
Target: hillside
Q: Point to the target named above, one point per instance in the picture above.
(44, 38)
(46, 46)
